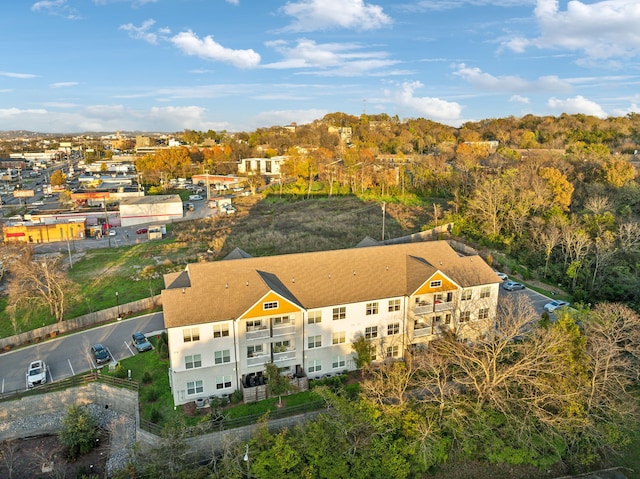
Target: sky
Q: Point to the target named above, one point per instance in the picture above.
(71, 66)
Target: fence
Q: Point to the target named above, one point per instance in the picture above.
(80, 322)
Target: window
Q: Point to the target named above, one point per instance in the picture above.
(485, 292)
(194, 361)
(270, 305)
(372, 308)
(314, 341)
(465, 316)
(435, 284)
(373, 353)
(371, 332)
(254, 325)
(279, 320)
(195, 387)
(191, 334)
(394, 305)
(257, 350)
(220, 330)
(221, 357)
(483, 313)
(339, 338)
(393, 351)
(223, 382)
(281, 346)
(447, 318)
(393, 329)
(315, 365)
(314, 317)
(466, 295)
(338, 362)
(339, 313)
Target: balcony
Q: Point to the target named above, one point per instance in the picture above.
(426, 308)
(283, 330)
(421, 329)
(284, 356)
(259, 333)
(258, 360)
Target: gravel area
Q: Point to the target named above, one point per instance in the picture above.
(121, 429)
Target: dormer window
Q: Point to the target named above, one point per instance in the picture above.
(435, 284)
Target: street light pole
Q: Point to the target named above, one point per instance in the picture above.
(118, 304)
(246, 459)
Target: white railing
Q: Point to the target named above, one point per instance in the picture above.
(282, 330)
(284, 356)
(257, 360)
(257, 334)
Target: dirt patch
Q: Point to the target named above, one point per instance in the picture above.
(43, 456)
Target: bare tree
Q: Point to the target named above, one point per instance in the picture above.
(40, 280)
(8, 456)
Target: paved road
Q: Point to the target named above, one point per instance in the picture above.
(69, 355)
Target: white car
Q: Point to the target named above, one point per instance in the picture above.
(37, 373)
(555, 304)
(502, 276)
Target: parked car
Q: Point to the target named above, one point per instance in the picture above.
(38, 203)
(228, 209)
(512, 286)
(100, 354)
(555, 304)
(37, 373)
(502, 276)
(141, 231)
(140, 342)
(112, 232)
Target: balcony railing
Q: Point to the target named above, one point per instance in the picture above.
(258, 360)
(257, 334)
(426, 308)
(282, 330)
(284, 356)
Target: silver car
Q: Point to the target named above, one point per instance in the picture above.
(512, 286)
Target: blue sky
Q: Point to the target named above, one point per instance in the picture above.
(236, 65)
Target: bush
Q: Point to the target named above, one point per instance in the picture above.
(236, 397)
(120, 371)
(163, 351)
(155, 416)
(79, 432)
(146, 377)
(152, 395)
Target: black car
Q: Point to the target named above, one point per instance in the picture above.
(140, 342)
(100, 354)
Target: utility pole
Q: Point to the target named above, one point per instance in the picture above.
(384, 213)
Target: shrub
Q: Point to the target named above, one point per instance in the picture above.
(155, 416)
(146, 377)
(79, 432)
(236, 396)
(120, 371)
(163, 351)
(152, 395)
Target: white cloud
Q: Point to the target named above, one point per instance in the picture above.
(519, 99)
(233, 2)
(328, 59)
(134, 3)
(601, 29)
(286, 117)
(142, 32)
(64, 84)
(314, 15)
(577, 104)
(486, 81)
(451, 4)
(433, 108)
(56, 8)
(17, 75)
(208, 49)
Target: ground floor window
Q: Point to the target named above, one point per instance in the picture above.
(393, 351)
(315, 365)
(195, 387)
(338, 362)
(223, 382)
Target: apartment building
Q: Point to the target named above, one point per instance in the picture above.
(227, 319)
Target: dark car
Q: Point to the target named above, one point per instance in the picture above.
(140, 342)
(512, 286)
(141, 231)
(100, 354)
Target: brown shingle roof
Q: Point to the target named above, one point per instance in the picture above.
(223, 290)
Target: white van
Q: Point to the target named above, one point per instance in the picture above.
(195, 198)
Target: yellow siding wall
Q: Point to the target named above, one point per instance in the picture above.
(447, 285)
(284, 307)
